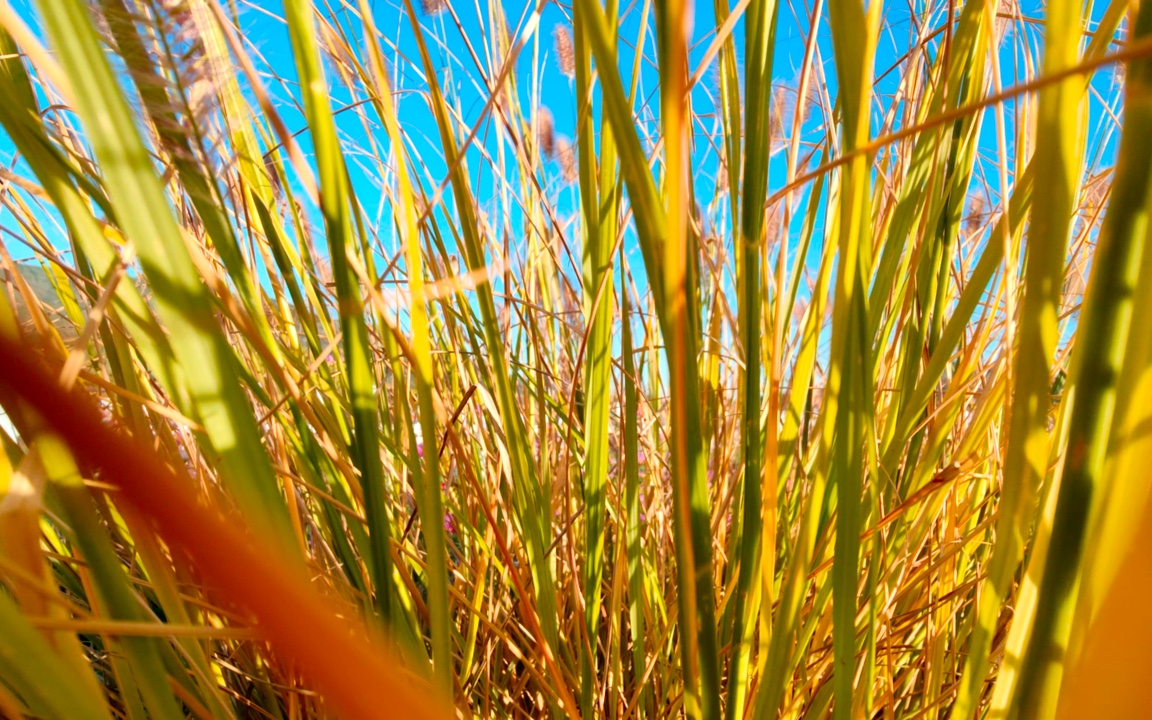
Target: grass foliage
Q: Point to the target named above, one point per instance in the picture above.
(809, 378)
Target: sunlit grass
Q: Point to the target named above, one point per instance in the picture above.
(804, 378)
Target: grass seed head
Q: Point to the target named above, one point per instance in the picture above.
(545, 133)
(976, 214)
(566, 155)
(565, 52)
(433, 8)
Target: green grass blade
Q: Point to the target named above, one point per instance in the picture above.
(758, 526)
(1026, 462)
(1102, 335)
(334, 205)
(432, 508)
(848, 394)
(144, 213)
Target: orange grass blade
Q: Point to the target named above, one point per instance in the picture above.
(332, 652)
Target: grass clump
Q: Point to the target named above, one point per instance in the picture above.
(574, 360)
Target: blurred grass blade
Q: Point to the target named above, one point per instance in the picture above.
(207, 365)
(1102, 335)
(341, 662)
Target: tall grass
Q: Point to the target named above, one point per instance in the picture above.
(806, 379)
